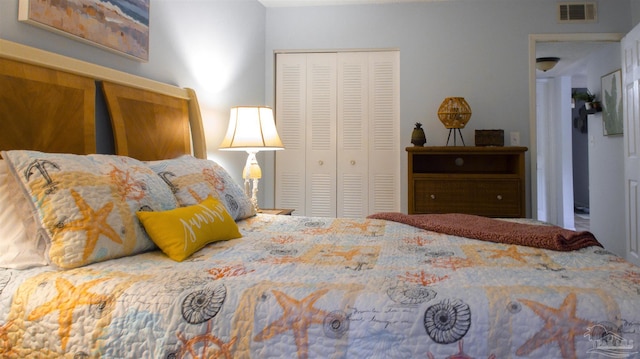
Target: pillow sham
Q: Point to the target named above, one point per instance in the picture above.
(85, 206)
(192, 180)
(183, 231)
(19, 246)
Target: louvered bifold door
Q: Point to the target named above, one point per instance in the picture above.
(384, 128)
(338, 115)
(352, 141)
(321, 135)
(290, 121)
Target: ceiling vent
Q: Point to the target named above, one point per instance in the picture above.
(577, 12)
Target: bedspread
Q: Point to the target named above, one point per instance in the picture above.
(329, 288)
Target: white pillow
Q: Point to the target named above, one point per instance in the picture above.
(19, 246)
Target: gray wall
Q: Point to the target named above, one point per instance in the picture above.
(635, 11)
(474, 49)
(224, 50)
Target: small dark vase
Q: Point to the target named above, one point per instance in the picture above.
(417, 136)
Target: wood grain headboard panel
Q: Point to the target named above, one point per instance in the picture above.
(148, 125)
(46, 110)
(47, 103)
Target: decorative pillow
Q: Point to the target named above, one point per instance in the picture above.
(19, 246)
(85, 206)
(192, 180)
(183, 231)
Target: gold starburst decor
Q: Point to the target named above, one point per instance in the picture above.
(454, 112)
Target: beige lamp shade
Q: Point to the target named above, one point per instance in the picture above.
(251, 129)
(454, 112)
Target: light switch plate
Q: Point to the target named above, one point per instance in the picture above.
(515, 138)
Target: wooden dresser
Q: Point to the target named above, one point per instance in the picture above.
(487, 181)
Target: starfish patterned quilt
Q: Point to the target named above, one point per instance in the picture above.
(303, 287)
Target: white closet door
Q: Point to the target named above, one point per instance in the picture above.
(339, 118)
(290, 111)
(321, 135)
(384, 132)
(352, 125)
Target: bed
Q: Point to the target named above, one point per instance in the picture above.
(92, 268)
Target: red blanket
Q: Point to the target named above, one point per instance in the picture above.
(495, 230)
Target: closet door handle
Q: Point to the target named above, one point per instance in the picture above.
(321, 162)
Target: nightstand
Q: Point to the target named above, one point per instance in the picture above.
(276, 211)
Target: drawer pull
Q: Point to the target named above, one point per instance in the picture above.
(353, 162)
(433, 196)
(459, 161)
(499, 197)
(321, 162)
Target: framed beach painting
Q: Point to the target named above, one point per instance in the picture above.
(612, 103)
(116, 25)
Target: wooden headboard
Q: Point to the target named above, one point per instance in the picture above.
(47, 103)
(46, 110)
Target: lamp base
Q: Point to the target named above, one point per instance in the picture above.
(454, 136)
(252, 172)
(251, 190)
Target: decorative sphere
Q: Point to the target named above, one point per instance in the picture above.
(454, 112)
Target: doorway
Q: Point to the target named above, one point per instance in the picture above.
(551, 184)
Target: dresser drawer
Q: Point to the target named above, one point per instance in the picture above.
(465, 163)
(498, 198)
(442, 196)
(493, 198)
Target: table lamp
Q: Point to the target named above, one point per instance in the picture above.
(454, 113)
(251, 129)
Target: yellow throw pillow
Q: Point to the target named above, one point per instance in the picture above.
(183, 231)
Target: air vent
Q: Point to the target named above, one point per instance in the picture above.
(577, 12)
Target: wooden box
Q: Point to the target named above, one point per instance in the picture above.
(489, 137)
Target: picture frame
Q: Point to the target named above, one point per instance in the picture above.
(612, 115)
(120, 26)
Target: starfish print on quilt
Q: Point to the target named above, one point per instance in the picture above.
(93, 222)
(347, 255)
(210, 346)
(362, 227)
(511, 252)
(6, 348)
(561, 325)
(69, 297)
(298, 316)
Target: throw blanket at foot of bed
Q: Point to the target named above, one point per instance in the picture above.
(496, 230)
